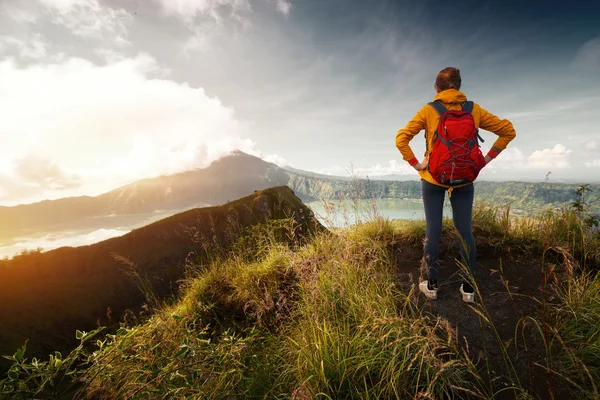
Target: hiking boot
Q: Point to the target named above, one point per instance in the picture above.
(429, 289)
(467, 292)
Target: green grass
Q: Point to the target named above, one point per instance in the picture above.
(557, 230)
(358, 336)
(327, 319)
(578, 331)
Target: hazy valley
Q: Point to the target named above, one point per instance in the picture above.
(85, 220)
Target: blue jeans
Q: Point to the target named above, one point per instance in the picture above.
(462, 213)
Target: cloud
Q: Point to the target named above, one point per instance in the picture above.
(207, 19)
(592, 145)
(88, 19)
(189, 10)
(39, 172)
(200, 40)
(53, 241)
(593, 164)
(552, 108)
(104, 126)
(284, 6)
(392, 168)
(557, 157)
(513, 158)
(35, 48)
(23, 13)
(587, 58)
(275, 159)
(30, 175)
(109, 55)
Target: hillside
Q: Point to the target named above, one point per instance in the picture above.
(46, 296)
(523, 196)
(239, 175)
(224, 180)
(339, 316)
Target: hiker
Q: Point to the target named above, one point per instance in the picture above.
(451, 163)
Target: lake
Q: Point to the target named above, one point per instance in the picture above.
(343, 213)
(81, 233)
(332, 214)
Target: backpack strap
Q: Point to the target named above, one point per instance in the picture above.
(438, 106)
(441, 109)
(467, 106)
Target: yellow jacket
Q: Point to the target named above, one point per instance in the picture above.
(427, 118)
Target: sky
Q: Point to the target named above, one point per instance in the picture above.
(95, 94)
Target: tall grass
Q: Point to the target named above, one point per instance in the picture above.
(359, 336)
(327, 318)
(560, 229)
(577, 330)
(206, 344)
(570, 289)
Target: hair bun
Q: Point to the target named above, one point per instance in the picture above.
(449, 78)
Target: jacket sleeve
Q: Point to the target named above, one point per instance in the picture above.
(404, 136)
(501, 127)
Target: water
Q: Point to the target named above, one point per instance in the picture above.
(343, 213)
(332, 214)
(80, 233)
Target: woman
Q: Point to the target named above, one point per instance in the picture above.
(447, 86)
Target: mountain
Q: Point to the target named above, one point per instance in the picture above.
(394, 177)
(47, 296)
(523, 197)
(238, 175)
(311, 174)
(226, 179)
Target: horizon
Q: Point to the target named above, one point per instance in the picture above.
(119, 211)
(350, 175)
(98, 94)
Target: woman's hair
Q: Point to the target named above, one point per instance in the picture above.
(448, 78)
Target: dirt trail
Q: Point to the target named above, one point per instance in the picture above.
(525, 281)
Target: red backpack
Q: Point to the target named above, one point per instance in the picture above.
(456, 157)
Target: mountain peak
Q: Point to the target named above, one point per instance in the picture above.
(239, 155)
(240, 161)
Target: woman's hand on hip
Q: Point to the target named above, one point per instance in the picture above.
(421, 166)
